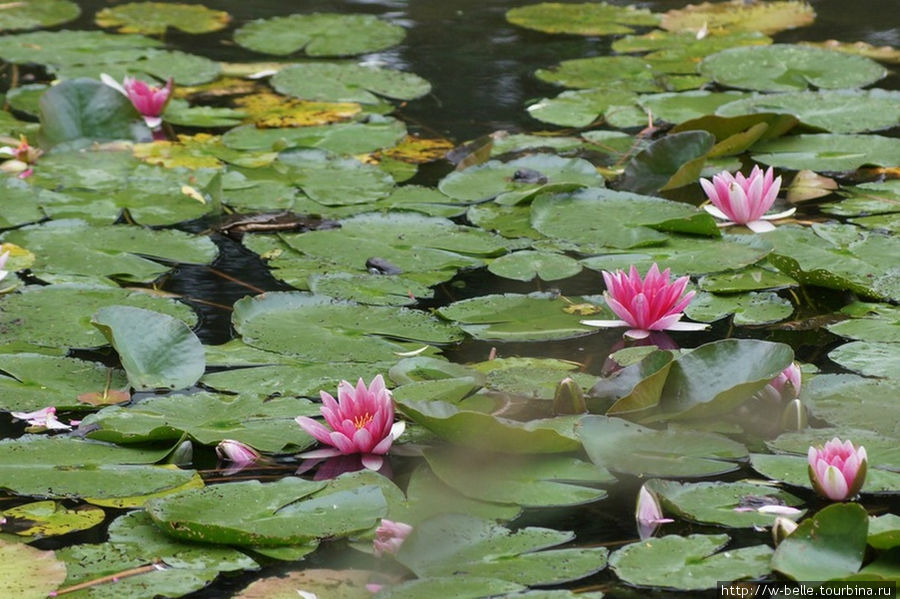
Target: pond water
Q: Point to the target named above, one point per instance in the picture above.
(482, 74)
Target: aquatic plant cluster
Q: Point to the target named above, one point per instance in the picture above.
(231, 467)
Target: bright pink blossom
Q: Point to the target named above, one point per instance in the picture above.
(361, 420)
(838, 470)
(651, 304)
(648, 513)
(389, 536)
(149, 100)
(744, 200)
(43, 419)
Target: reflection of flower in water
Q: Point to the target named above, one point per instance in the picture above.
(744, 200)
(837, 470)
(361, 420)
(239, 454)
(389, 536)
(44, 419)
(333, 467)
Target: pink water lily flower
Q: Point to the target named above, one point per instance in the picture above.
(648, 513)
(22, 157)
(149, 100)
(838, 470)
(361, 420)
(389, 536)
(651, 304)
(744, 200)
(43, 419)
(239, 454)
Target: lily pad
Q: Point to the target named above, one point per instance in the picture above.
(376, 290)
(512, 317)
(208, 418)
(720, 503)
(673, 161)
(427, 496)
(536, 481)
(348, 83)
(339, 584)
(29, 573)
(794, 470)
(60, 315)
(335, 181)
(38, 13)
(753, 278)
(735, 15)
(688, 563)
(621, 72)
(582, 107)
(290, 511)
(156, 350)
(319, 34)
(296, 380)
(852, 401)
(50, 518)
(751, 308)
(340, 138)
(868, 358)
(684, 106)
(581, 19)
(625, 447)
(786, 67)
(70, 47)
(828, 152)
(155, 17)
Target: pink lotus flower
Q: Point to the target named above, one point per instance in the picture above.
(648, 513)
(22, 157)
(389, 536)
(838, 470)
(744, 200)
(150, 101)
(44, 419)
(239, 454)
(790, 375)
(651, 304)
(362, 421)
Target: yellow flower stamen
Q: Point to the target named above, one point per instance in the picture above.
(361, 421)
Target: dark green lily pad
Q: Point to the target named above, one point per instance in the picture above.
(36, 314)
(179, 112)
(72, 247)
(38, 13)
(453, 543)
(36, 381)
(348, 83)
(716, 502)
(751, 308)
(785, 67)
(155, 17)
(512, 317)
(878, 197)
(625, 447)
(208, 418)
(26, 98)
(290, 511)
(597, 219)
(535, 481)
(673, 161)
(770, 17)
(669, 45)
(829, 545)
(29, 573)
(334, 331)
(582, 107)
(688, 563)
(581, 19)
(51, 518)
(828, 152)
(319, 34)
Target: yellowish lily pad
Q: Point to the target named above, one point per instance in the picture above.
(737, 15)
(155, 17)
(269, 110)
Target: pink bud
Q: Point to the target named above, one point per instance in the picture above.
(837, 470)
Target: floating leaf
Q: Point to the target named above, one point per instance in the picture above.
(526, 265)
(583, 107)
(794, 470)
(828, 152)
(688, 563)
(179, 112)
(829, 545)
(748, 309)
(340, 584)
(29, 573)
(868, 358)
(785, 67)
(677, 46)
(50, 518)
(319, 34)
(581, 19)
(673, 161)
(155, 17)
(748, 279)
(348, 83)
(341, 138)
(428, 496)
(625, 447)
(272, 110)
(620, 72)
(684, 106)
(37, 13)
(735, 15)
(855, 402)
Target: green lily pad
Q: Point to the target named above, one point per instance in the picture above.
(794, 470)
(620, 72)
(80, 111)
(290, 511)
(183, 68)
(839, 111)
(679, 45)
(334, 330)
(348, 83)
(597, 219)
(829, 545)
(59, 467)
(36, 381)
(878, 197)
(72, 247)
(297, 380)
(716, 502)
(513, 317)
(535, 378)
(884, 531)
(266, 425)
(536, 481)
(526, 265)
(582, 107)
(454, 543)
(339, 584)
(852, 401)
(50, 518)
(751, 308)
(154, 18)
(29, 573)
(335, 181)
(786, 68)
(156, 350)
(688, 563)
(520, 179)
(684, 106)
(872, 322)
(581, 19)
(38, 13)
(319, 34)
(868, 358)
(625, 447)
(673, 161)
(376, 290)
(427, 496)
(340, 138)
(748, 279)
(459, 587)
(689, 255)
(828, 152)
(882, 451)
(179, 112)
(770, 17)
(60, 315)
(70, 47)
